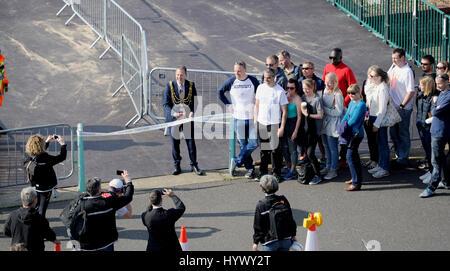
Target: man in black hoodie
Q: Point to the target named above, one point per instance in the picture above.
(100, 228)
(25, 225)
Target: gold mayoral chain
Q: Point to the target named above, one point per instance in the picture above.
(177, 100)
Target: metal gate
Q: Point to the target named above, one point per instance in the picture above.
(12, 152)
(207, 82)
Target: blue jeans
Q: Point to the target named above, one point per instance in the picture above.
(247, 138)
(354, 162)
(438, 160)
(289, 146)
(331, 151)
(400, 136)
(383, 148)
(280, 245)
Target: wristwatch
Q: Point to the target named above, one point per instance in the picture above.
(402, 106)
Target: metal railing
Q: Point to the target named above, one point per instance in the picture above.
(111, 22)
(207, 82)
(12, 152)
(414, 25)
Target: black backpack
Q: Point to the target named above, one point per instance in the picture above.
(280, 217)
(75, 220)
(32, 169)
(305, 173)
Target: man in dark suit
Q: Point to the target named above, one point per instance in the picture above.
(178, 102)
(160, 222)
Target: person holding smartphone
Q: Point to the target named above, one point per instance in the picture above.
(160, 222)
(39, 167)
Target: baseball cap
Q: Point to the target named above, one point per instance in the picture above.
(115, 185)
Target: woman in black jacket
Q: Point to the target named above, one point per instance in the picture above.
(273, 238)
(39, 167)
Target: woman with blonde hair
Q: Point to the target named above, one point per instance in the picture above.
(424, 102)
(377, 99)
(333, 108)
(39, 167)
(443, 67)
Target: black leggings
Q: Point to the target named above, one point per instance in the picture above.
(43, 200)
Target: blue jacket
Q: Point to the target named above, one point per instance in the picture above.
(280, 78)
(320, 85)
(440, 126)
(355, 116)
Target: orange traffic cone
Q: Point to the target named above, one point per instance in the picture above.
(183, 239)
(310, 223)
(57, 247)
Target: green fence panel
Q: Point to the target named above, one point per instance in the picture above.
(414, 25)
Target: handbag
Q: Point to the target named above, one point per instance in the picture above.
(345, 132)
(391, 117)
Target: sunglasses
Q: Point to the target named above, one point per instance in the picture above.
(440, 68)
(425, 64)
(290, 88)
(270, 65)
(352, 93)
(307, 68)
(333, 57)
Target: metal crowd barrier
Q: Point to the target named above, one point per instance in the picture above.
(414, 25)
(12, 152)
(206, 82)
(112, 23)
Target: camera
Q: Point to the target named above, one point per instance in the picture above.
(119, 172)
(55, 136)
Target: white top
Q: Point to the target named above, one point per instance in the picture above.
(377, 98)
(270, 101)
(242, 94)
(401, 82)
(122, 211)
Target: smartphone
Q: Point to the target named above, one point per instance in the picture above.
(119, 172)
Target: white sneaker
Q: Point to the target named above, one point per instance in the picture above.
(372, 165)
(381, 173)
(427, 179)
(425, 176)
(375, 169)
(331, 174)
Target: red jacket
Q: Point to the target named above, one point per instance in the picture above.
(345, 77)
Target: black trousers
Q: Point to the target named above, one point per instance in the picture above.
(309, 145)
(190, 142)
(43, 200)
(270, 145)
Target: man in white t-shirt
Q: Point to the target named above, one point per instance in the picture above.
(242, 88)
(401, 78)
(270, 115)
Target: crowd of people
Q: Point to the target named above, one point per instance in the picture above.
(287, 114)
(292, 110)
